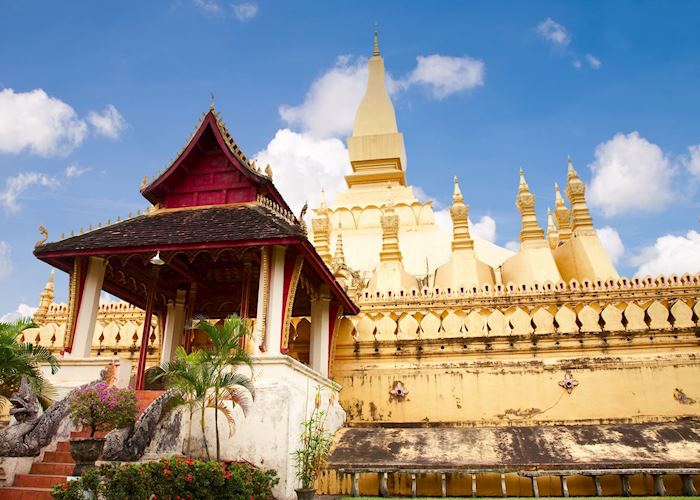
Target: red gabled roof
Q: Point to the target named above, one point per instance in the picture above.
(211, 170)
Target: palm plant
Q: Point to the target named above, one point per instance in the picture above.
(207, 378)
(224, 353)
(22, 359)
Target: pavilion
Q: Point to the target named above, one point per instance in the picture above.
(218, 240)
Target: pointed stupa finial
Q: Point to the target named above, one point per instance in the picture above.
(558, 198)
(570, 170)
(211, 103)
(522, 186)
(552, 230)
(375, 52)
(457, 195)
(322, 200)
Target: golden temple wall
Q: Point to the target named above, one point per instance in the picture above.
(496, 357)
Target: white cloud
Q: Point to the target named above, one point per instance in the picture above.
(513, 246)
(484, 229)
(209, 6)
(245, 11)
(670, 255)
(593, 61)
(324, 114)
(630, 174)
(5, 260)
(553, 32)
(74, 170)
(447, 75)
(691, 161)
(110, 123)
(16, 185)
(612, 243)
(302, 165)
(22, 311)
(577, 64)
(330, 104)
(38, 123)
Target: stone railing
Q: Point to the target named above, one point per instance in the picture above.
(635, 305)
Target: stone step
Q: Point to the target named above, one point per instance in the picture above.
(16, 493)
(63, 446)
(38, 480)
(58, 457)
(52, 468)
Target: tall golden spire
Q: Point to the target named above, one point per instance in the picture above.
(339, 257)
(321, 228)
(460, 221)
(576, 192)
(525, 202)
(376, 147)
(390, 232)
(563, 215)
(45, 299)
(552, 232)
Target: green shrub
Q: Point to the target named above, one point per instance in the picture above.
(173, 479)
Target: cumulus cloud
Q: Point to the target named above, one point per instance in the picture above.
(35, 122)
(513, 246)
(447, 75)
(670, 254)
(209, 6)
(630, 174)
(554, 32)
(5, 260)
(691, 161)
(245, 11)
(324, 114)
(612, 243)
(330, 104)
(593, 61)
(302, 165)
(16, 185)
(484, 229)
(22, 311)
(110, 123)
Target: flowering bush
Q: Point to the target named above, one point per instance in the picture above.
(103, 407)
(172, 479)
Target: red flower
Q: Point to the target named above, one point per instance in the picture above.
(189, 477)
(64, 486)
(189, 461)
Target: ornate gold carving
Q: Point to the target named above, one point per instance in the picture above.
(45, 236)
(296, 272)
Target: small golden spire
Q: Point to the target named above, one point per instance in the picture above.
(457, 195)
(211, 104)
(144, 182)
(339, 257)
(570, 170)
(268, 171)
(99, 225)
(525, 201)
(90, 227)
(72, 232)
(552, 231)
(375, 52)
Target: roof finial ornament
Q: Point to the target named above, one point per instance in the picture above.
(375, 52)
(211, 105)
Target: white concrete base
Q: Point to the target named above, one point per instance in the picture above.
(75, 372)
(270, 433)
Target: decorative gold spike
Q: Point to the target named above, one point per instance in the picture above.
(268, 171)
(144, 182)
(130, 216)
(81, 230)
(138, 212)
(119, 219)
(72, 233)
(63, 236)
(109, 222)
(90, 227)
(99, 225)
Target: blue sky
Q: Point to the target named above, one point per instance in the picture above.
(95, 95)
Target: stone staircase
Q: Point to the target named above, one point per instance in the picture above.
(57, 465)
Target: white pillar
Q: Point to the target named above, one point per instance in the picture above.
(273, 335)
(89, 304)
(320, 332)
(174, 327)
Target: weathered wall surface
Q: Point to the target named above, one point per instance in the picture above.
(498, 358)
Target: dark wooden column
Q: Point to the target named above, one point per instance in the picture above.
(143, 352)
